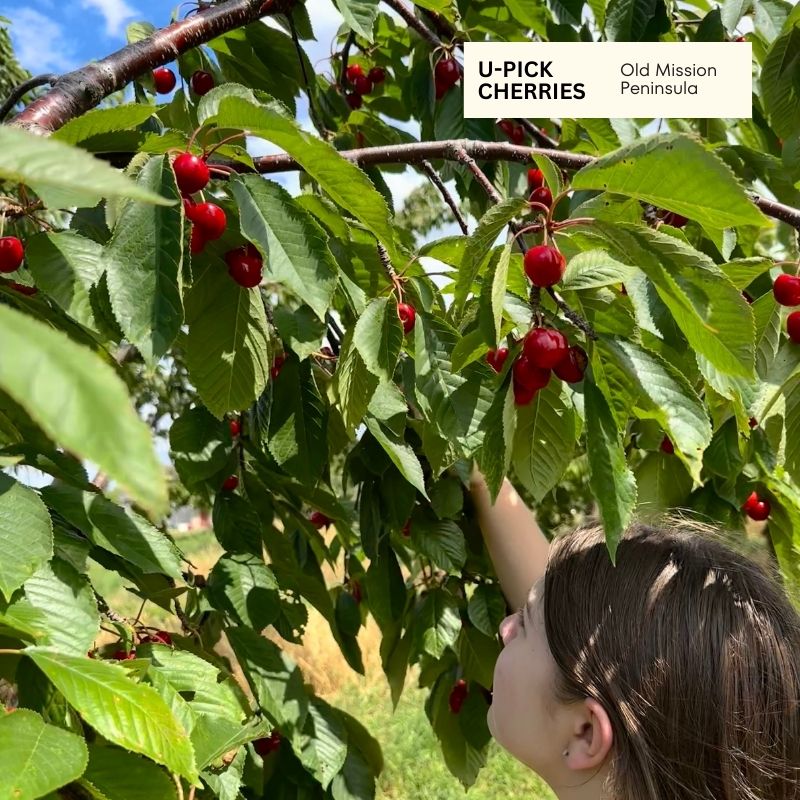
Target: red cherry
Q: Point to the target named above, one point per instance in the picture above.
(544, 265)
(201, 82)
(458, 694)
(528, 375)
(164, 80)
(496, 358)
(675, 220)
(447, 72)
(535, 179)
(243, 267)
(542, 195)
(757, 508)
(230, 483)
(518, 135)
(197, 241)
(22, 289)
(406, 531)
(752, 422)
(355, 591)
(377, 75)
(667, 446)
(11, 253)
(354, 100)
(211, 218)
(523, 394)
(407, 316)
(740, 39)
(441, 89)
(506, 125)
(572, 367)
(268, 744)
(159, 637)
(354, 71)
(326, 351)
(235, 427)
(188, 206)
(362, 85)
(319, 520)
(545, 347)
(786, 289)
(124, 655)
(747, 297)
(191, 173)
(277, 365)
(793, 326)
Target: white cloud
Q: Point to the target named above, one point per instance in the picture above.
(115, 13)
(41, 44)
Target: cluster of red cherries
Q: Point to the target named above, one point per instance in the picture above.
(245, 264)
(514, 131)
(446, 74)
(786, 291)
(362, 84)
(539, 193)
(202, 82)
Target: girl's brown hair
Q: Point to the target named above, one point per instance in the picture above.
(694, 652)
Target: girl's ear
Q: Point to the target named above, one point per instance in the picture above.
(593, 737)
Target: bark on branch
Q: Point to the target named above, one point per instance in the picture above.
(77, 92)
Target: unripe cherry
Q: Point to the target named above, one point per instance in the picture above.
(164, 79)
(544, 265)
(408, 316)
(11, 253)
(191, 173)
(793, 326)
(545, 347)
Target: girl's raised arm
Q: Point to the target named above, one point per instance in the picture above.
(516, 544)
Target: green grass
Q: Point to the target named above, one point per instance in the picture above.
(413, 761)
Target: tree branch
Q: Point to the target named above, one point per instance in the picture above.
(463, 157)
(343, 79)
(434, 178)
(537, 134)
(20, 91)
(413, 21)
(81, 90)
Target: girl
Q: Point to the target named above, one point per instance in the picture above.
(674, 675)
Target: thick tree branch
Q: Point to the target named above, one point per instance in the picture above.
(81, 90)
(434, 178)
(463, 157)
(20, 91)
(413, 21)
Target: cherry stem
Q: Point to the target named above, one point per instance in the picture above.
(227, 139)
(193, 137)
(567, 223)
(344, 81)
(179, 785)
(222, 169)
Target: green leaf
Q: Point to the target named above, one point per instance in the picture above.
(244, 586)
(227, 349)
(118, 530)
(544, 440)
(402, 456)
(662, 483)
(199, 445)
(126, 713)
(552, 174)
(378, 337)
(236, 523)
(627, 20)
(711, 313)
(500, 424)
(79, 401)
(67, 603)
(26, 534)
(344, 182)
(65, 266)
(487, 609)
(353, 384)
(297, 423)
(610, 477)
(124, 776)
(63, 175)
(732, 12)
(36, 758)
(677, 173)
(493, 296)
(592, 269)
(780, 87)
(275, 679)
(477, 654)
(300, 330)
(674, 404)
(143, 263)
(297, 252)
(479, 244)
(359, 15)
(103, 120)
(325, 746)
(442, 541)
(213, 737)
(437, 624)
